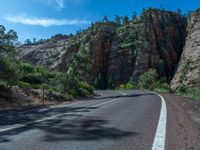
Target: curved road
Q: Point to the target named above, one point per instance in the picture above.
(115, 120)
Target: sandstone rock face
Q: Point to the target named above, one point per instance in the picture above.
(121, 56)
(155, 41)
(119, 53)
(189, 65)
(49, 53)
(161, 37)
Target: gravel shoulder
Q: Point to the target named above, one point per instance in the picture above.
(183, 123)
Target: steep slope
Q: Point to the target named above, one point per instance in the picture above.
(161, 37)
(116, 53)
(189, 65)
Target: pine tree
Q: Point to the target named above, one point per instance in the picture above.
(105, 19)
(125, 20)
(117, 20)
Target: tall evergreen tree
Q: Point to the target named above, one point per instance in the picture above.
(125, 20)
(28, 41)
(8, 68)
(105, 19)
(134, 15)
(117, 19)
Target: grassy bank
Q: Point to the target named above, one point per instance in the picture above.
(149, 81)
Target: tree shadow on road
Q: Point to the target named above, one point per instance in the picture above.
(84, 130)
(25, 117)
(69, 124)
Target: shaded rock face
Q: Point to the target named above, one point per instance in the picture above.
(189, 65)
(161, 37)
(119, 53)
(155, 41)
(121, 57)
(100, 45)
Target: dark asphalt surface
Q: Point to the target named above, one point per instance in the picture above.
(108, 122)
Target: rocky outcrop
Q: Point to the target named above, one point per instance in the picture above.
(49, 53)
(161, 37)
(155, 41)
(189, 65)
(118, 53)
(122, 56)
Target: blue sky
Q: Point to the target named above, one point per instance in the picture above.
(44, 18)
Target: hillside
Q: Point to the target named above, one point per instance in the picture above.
(108, 54)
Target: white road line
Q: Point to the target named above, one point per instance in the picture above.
(101, 104)
(16, 126)
(160, 136)
(12, 127)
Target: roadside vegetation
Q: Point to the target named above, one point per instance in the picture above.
(52, 81)
(193, 92)
(21, 75)
(150, 81)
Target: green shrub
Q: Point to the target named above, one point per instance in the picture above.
(162, 87)
(9, 71)
(196, 94)
(192, 92)
(46, 73)
(126, 45)
(23, 84)
(127, 86)
(26, 68)
(33, 78)
(36, 86)
(83, 92)
(80, 89)
(86, 86)
(183, 89)
(68, 97)
(148, 79)
(73, 92)
(3, 85)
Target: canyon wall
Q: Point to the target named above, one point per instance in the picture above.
(119, 53)
(189, 65)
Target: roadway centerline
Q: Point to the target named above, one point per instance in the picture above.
(104, 103)
(16, 126)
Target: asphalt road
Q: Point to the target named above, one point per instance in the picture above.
(116, 120)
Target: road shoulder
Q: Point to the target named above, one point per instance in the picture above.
(183, 123)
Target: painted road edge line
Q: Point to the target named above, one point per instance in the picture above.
(160, 136)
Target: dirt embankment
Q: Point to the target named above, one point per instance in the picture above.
(19, 98)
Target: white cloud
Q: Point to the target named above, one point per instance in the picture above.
(45, 22)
